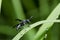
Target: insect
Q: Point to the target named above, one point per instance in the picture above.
(23, 22)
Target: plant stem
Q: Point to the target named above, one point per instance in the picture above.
(18, 9)
(21, 33)
(0, 4)
(53, 16)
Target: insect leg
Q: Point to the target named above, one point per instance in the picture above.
(18, 26)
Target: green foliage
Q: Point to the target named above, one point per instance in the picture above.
(23, 9)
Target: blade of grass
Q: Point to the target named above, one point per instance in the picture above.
(20, 15)
(8, 30)
(18, 9)
(21, 33)
(53, 16)
(0, 4)
(29, 5)
(44, 9)
(42, 38)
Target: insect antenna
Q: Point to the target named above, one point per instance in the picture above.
(30, 18)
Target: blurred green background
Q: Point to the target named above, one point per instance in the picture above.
(23, 9)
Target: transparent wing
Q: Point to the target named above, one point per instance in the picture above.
(18, 20)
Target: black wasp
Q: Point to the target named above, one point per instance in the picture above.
(23, 22)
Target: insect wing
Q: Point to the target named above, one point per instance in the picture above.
(18, 20)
